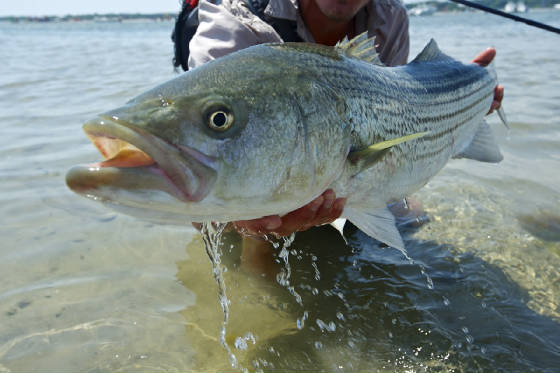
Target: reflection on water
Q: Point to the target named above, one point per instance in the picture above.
(368, 308)
(86, 289)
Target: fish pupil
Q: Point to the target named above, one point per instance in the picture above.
(219, 119)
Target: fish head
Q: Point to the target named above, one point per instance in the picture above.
(234, 139)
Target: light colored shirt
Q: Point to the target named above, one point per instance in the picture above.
(231, 26)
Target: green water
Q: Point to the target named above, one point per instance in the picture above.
(84, 288)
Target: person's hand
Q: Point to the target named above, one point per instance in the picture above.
(322, 210)
(483, 59)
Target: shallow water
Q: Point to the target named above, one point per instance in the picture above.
(84, 288)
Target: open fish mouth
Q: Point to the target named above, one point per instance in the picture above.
(135, 159)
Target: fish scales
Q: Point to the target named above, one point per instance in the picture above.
(265, 130)
(444, 104)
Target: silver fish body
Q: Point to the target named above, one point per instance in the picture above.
(265, 130)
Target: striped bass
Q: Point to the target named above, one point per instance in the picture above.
(265, 130)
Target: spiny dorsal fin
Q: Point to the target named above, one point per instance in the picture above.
(361, 47)
(431, 52)
(373, 153)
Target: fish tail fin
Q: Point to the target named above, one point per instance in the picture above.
(501, 113)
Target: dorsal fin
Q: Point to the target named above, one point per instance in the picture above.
(361, 47)
(431, 52)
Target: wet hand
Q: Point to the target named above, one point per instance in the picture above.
(483, 59)
(322, 210)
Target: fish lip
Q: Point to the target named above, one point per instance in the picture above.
(183, 166)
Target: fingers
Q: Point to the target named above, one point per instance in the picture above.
(322, 210)
(323, 214)
(338, 208)
(300, 219)
(498, 97)
(258, 227)
(484, 58)
(330, 210)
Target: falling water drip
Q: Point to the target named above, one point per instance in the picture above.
(283, 276)
(212, 234)
(429, 281)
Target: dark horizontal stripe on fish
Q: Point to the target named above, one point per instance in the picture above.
(434, 153)
(423, 98)
(446, 76)
(448, 116)
(428, 142)
(435, 137)
(346, 76)
(434, 120)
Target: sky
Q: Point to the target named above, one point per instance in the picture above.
(63, 7)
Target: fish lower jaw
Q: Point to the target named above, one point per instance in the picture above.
(106, 183)
(188, 175)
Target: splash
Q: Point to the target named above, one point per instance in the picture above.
(283, 277)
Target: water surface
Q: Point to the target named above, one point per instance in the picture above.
(84, 288)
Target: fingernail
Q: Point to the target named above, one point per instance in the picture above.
(339, 203)
(316, 204)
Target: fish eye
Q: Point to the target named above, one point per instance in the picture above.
(220, 119)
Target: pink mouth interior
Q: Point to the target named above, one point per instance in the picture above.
(119, 153)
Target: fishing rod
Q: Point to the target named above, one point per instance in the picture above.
(530, 22)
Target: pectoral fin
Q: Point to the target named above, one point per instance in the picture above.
(338, 224)
(374, 153)
(378, 223)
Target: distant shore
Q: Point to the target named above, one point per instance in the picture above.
(170, 16)
(118, 17)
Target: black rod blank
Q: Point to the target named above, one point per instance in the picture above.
(507, 15)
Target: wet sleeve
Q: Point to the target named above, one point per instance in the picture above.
(398, 41)
(218, 34)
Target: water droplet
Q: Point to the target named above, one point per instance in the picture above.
(240, 344)
(318, 345)
(301, 321)
(446, 301)
(330, 327)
